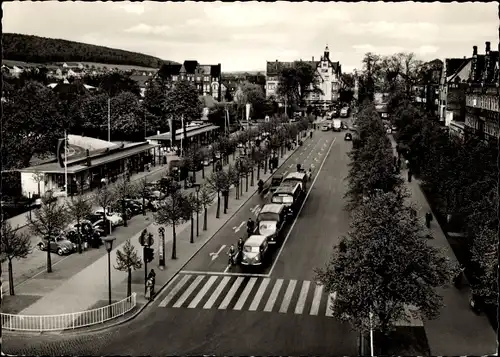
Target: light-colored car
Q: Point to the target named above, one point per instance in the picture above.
(114, 218)
(60, 245)
(271, 220)
(254, 250)
(344, 112)
(325, 127)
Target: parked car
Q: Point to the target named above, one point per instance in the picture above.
(116, 219)
(348, 137)
(60, 245)
(344, 112)
(134, 206)
(275, 182)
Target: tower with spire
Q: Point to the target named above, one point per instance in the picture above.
(326, 54)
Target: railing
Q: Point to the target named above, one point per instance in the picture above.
(68, 321)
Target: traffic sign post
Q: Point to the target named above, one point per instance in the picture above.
(161, 247)
(146, 240)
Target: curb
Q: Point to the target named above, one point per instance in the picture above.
(143, 307)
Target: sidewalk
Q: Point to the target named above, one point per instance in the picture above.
(88, 288)
(457, 330)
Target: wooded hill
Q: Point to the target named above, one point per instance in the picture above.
(37, 49)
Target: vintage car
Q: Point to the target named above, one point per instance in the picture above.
(275, 182)
(115, 218)
(60, 245)
(254, 250)
(271, 220)
(348, 137)
(289, 195)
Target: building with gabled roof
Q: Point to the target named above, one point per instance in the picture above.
(206, 78)
(329, 80)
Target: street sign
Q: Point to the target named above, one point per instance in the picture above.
(216, 254)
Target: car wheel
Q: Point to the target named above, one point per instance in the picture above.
(60, 251)
(41, 246)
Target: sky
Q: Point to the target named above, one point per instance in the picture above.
(243, 36)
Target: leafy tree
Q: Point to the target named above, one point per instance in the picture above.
(33, 123)
(126, 260)
(143, 190)
(154, 103)
(485, 255)
(127, 116)
(218, 181)
(122, 190)
(78, 209)
(206, 197)
(114, 83)
(256, 97)
(104, 198)
(182, 102)
(193, 206)
(383, 265)
(174, 210)
(15, 244)
(234, 179)
(48, 221)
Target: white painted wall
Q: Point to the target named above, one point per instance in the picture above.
(30, 185)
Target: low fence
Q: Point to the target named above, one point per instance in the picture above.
(70, 321)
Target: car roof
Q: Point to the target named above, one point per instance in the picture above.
(271, 208)
(287, 188)
(255, 240)
(295, 176)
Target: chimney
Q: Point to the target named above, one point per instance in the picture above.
(488, 44)
(474, 51)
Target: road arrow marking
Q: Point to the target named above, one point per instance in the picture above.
(312, 166)
(267, 194)
(316, 159)
(255, 210)
(290, 166)
(284, 173)
(237, 229)
(216, 254)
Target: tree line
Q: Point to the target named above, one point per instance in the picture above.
(384, 265)
(29, 48)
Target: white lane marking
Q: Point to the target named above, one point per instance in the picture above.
(202, 292)
(299, 308)
(301, 207)
(329, 305)
(174, 291)
(318, 293)
(194, 272)
(211, 301)
(189, 291)
(227, 268)
(244, 295)
(267, 194)
(301, 153)
(225, 303)
(290, 166)
(259, 294)
(284, 173)
(237, 228)
(273, 296)
(215, 255)
(288, 296)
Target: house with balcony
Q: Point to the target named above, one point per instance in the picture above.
(482, 96)
(206, 78)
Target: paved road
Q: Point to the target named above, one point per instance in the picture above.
(311, 153)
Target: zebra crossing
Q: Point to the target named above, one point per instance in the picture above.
(256, 294)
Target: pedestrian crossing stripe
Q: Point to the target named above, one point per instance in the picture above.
(243, 293)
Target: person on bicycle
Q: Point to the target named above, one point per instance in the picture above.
(231, 251)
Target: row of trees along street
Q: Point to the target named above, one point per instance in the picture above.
(176, 206)
(459, 176)
(384, 263)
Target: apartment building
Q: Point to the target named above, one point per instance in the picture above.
(206, 78)
(328, 74)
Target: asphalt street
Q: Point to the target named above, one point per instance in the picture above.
(213, 257)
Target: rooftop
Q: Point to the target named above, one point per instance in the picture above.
(271, 208)
(100, 157)
(179, 133)
(255, 240)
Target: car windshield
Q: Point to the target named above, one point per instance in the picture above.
(250, 249)
(268, 216)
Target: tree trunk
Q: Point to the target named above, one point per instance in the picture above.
(49, 258)
(252, 178)
(225, 203)
(174, 243)
(11, 278)
(258, 170)
(79, 236)
(124, 214)
(237, 189)
(143, 205)
(205, 216)
(246, 181)
(241, 186)
(218, 205)
(203, 171)
(192, 229)
(129, 282)
(265, 165)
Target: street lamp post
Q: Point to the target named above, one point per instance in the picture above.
(197, 186)
(108, 243)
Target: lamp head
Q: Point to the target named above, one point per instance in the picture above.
(108, 243)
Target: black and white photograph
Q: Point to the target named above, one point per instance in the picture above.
(250, 178)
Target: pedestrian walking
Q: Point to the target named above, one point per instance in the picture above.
(149, 289)
(428, 219)
(457, 281)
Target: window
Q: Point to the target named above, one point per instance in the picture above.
(198, 78)
(206, 79)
